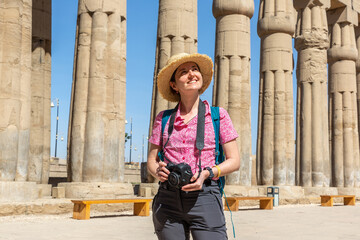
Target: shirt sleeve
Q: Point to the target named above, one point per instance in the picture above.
(227, 130)
(155, 137)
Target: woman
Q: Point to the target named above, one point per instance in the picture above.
(197, 206)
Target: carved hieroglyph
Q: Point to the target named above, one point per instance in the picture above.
(275, 143)
(312, 141)
(97, 114)
(39, 155)
(15, 88)
(342, 56)
(177, 33)
(232, 75)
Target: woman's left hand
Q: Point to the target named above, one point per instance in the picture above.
(197, 185)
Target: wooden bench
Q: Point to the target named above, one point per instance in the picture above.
(265, 202)
(82, 207)
(328, 201)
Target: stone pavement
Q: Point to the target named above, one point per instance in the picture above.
(284, 222)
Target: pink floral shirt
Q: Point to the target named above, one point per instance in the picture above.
(181, 145)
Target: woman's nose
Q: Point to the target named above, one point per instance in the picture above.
(191, 73)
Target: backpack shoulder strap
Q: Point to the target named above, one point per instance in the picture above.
(219, 155)
(215, 116)
(165, 118)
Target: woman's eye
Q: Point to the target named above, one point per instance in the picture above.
(195, 69)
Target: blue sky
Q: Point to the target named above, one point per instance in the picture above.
(141, 42)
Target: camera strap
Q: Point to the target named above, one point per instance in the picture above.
(200, 130)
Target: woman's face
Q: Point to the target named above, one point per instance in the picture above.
(187, 78)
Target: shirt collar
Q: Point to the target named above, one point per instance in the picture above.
(178, 117)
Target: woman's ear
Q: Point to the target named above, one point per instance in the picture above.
(173, 86)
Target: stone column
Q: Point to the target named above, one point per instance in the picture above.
(275, 148)
(311, 42)
(15, 100)
(39, 155)
(232, 75)
(97, 115)
(357, 163)
(15, 89)
(177, 33)
(342, 56)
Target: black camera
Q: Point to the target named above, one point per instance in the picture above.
(180, 174)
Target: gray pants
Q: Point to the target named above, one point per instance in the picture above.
(177, 213)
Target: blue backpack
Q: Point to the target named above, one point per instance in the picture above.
(219, 154)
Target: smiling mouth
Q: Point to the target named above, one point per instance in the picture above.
(192, 81)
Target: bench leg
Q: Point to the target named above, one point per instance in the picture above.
(81, 211)
(327, 201)
(266, 204)
(233, 205)
(349, 200)
(142, 209)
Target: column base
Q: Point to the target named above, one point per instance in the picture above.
(18, 191)
(238, 191)
(349, 191)
(44, 190)
(317, 191)
(97, 190)
(285, 192)
(153, 186)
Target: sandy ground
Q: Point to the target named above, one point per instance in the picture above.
(283, 222)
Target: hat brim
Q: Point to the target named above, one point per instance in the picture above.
(163, 80)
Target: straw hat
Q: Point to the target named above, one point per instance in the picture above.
(203, 61)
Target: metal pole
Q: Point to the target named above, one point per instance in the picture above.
(142, 152)
(130, 139)
(57, 125)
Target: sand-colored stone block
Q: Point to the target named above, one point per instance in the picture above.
(349, 191)
(291, 192)
(153, 186)
(58, 192)
(18, 191)
(145, 192)
(97, 190)
(234, 190)
(343, 14)
(317, 191)
(44, 190)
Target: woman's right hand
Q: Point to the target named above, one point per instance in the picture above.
(162, 172)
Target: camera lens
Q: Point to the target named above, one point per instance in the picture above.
(173, 179)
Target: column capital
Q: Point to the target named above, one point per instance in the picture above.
(342, 15)
(274, 20)
(301, 4)
(357, 36)
(312, 27)
(226, 7)
(108, 6)
(89, 6)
